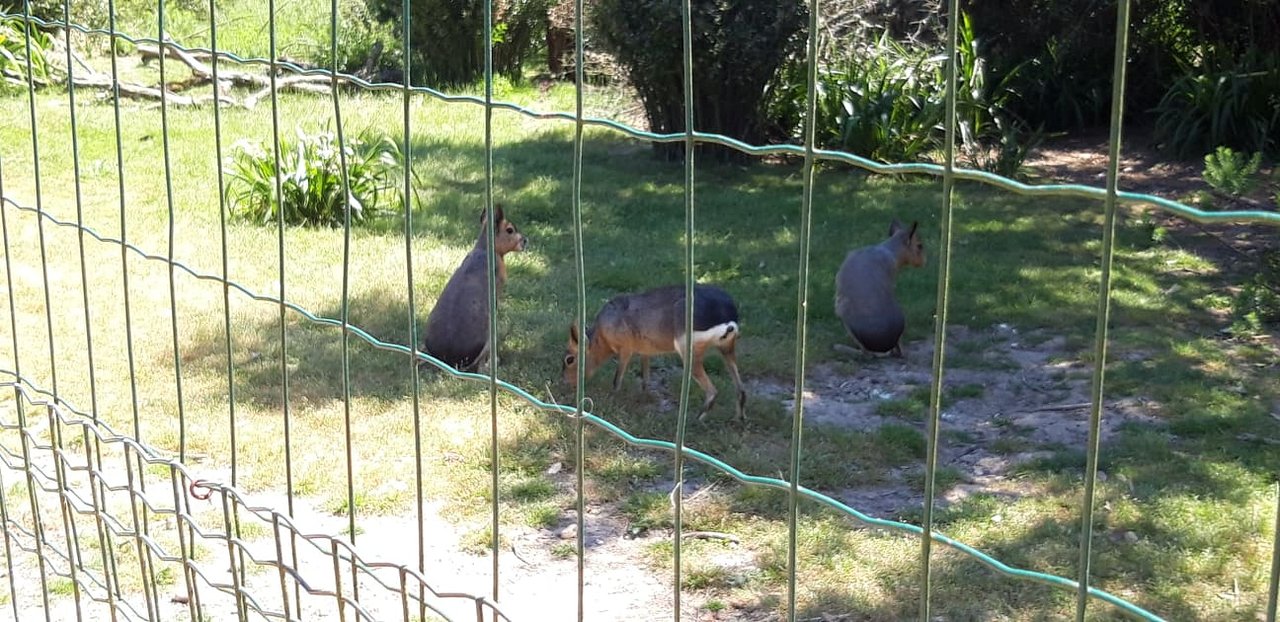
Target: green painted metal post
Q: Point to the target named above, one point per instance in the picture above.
(1104, 307)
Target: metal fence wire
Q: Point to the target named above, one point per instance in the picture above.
(140, 504)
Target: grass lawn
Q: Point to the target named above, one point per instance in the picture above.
(1196, 496)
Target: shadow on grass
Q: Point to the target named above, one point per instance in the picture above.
(1032, 264)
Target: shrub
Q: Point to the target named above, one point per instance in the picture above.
(366, 46)
(886, 100)
(737, 48)
(448, 39)
(311, 192)
(13, 52)
(1257, 305)
(91, 13)
(1231, 172)
(1234, 102)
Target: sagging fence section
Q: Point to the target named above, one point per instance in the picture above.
(108, 526)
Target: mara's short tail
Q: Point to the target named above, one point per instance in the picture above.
(718, 334)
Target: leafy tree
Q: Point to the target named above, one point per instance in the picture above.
(738, 45)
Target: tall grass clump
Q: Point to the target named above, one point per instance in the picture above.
(311, 184)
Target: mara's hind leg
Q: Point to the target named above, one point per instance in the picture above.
(644, 372)
(624, 358)
(481, 364)
(730, 355)
(699, 374)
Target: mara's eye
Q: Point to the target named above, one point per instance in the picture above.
(568, 360)
(511, 230)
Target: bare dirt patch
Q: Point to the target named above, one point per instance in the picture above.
(1018, 397)
(1144, 168)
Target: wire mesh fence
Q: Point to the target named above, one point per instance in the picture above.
(100, 524)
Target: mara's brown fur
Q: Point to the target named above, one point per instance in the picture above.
(458, 327)
(865, 299)
(653, 322)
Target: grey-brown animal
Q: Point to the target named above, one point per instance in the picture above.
(865, 299)
(653, 322)
(458, 327)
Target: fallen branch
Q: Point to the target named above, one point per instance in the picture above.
(18, 79)
(307, 84)
(712, 535)
(151, 52)
(1061, 407)
(138, 91)
(1258, 439)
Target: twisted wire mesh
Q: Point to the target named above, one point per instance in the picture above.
(189, 523)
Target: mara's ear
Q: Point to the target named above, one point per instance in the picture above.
(895, 227)
(912, 233)
(573, 332)
(484, 215)
(497, 209)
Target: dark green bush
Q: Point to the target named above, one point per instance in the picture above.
(1065, 52)
(738, 46)
(311, 189)
(91, 13)
(1233, 102)
(886, 100)
(366, 46)
(447, 37)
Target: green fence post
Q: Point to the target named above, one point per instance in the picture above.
(940, 323)
(1104, 306)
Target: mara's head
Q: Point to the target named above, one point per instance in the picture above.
(569, 365)
(906, 244)
(507, 238)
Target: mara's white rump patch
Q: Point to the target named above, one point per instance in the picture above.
(717, 333)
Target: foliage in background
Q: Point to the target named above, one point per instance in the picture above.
(1232, 101)
(91, 13)
(737, 49)
(886, 100)
(366, 46)
(1231, 172)
(1179, 52)
(311, 181)
(1257, 305)
(448, 39)
(13, 53)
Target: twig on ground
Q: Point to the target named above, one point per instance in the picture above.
(712, 535)
(1258, 439)
(703, 491)
(1023, 377)
(517, 554)
(1060, 407)
(844, 349)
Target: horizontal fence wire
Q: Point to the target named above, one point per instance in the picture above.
(175, 505)
(56, 453)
